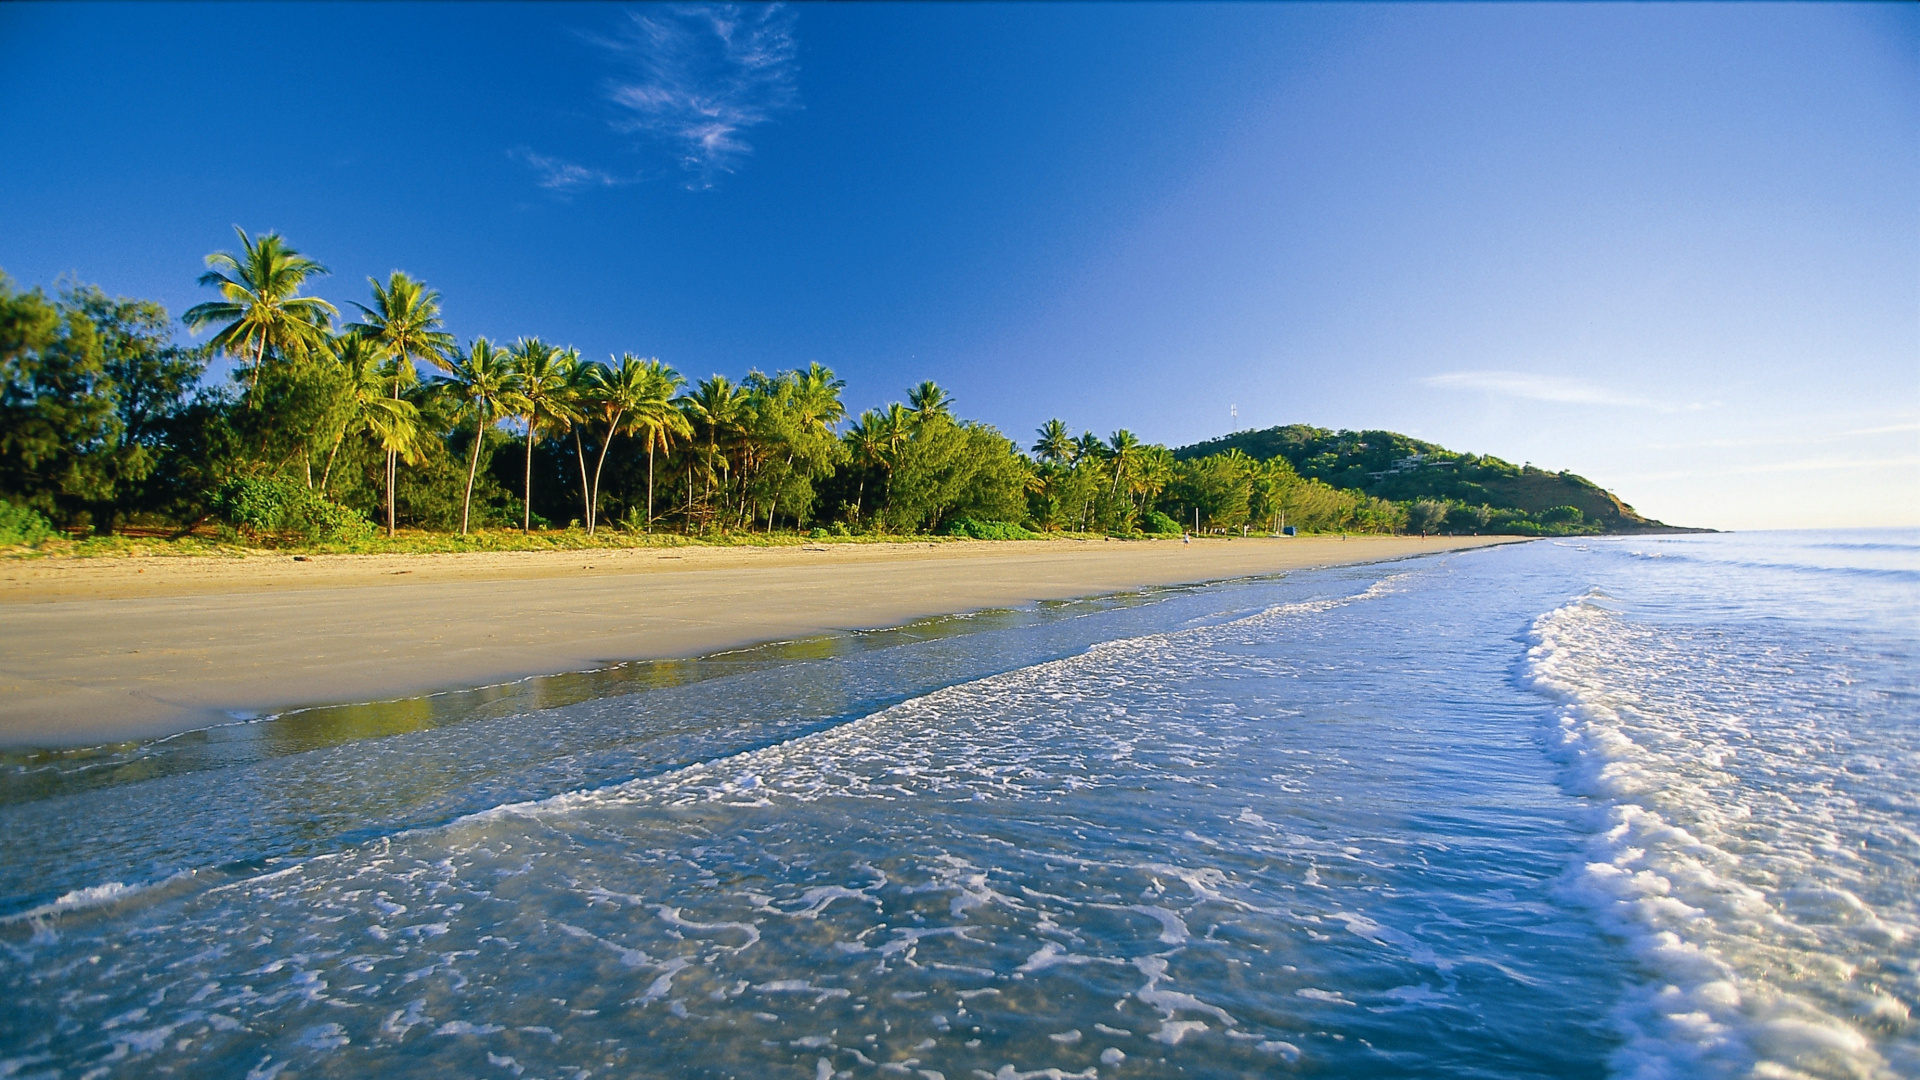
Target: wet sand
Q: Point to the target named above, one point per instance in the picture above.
(99, 650)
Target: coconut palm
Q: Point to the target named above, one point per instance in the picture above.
(656, 418)
(1152, 472)
(928, 400)
(539, 397)
(816, 399)
(896, 431)
(482, 380)
(1124, 447)
(1055, 445)
(582, 394)
(394, 423)
(866, 440)
(404, 324)
(721, 408)
(1088, 447)
(625, 387)
(261, 306)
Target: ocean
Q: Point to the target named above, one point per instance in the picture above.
(1635, 807)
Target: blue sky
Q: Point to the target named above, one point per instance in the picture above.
(1675, 249)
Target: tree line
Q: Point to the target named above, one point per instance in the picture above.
(335, 426)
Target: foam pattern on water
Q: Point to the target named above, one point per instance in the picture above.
(1209, 851)
(1756, 840)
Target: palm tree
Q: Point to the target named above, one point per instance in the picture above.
(1055, 445)
(928, 400)
(483, 381)
(896, 431)
(404, 324)
(393, 422)
(1088, 450)
(1088, 447)
(260, 303)
(624, 389)
(867, 440)
(1124, 445)
(816, 399)
(582, 394)
(539, 397)
(1153, 471)
(720, 407)
(656, 418)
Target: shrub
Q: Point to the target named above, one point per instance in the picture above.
(1160, 524)
(20, 525)
(262, 505)
(989, 530)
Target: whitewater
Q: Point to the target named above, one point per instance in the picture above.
(1635, 807)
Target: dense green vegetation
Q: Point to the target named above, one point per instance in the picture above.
(1442, 491)
(333, 432)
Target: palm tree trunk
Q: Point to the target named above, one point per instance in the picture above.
(649, 483)
(593, 508)
(326, 475)
(473, 467)
(526, 507)
(253, 379)
(586, 493)
(393, 468)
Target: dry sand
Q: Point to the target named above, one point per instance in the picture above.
(98, 650)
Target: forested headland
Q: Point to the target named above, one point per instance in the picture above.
(368, 426)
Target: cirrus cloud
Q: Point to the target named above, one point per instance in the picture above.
(699, 77)
(1558, 389)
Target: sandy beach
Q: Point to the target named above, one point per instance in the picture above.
(98, 650)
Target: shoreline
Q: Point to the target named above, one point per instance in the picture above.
(98, 651)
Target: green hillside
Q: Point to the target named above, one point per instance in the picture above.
(1388, 465)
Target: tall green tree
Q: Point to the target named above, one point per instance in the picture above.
(91, 390)
(1089, 448)
(392, 423)
(261, 311)
(482, 380)
(867, 444)
(627, 387)
(404, 325)
(722, 411)
(56, 405)
(586, 384)
(929, 400)
(152, 378)
(656, 417)
(896, 431)
(540, 398)
(1055, 445)
(1123, 450)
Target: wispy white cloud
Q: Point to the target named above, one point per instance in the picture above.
(1557, 389)
(1845, 435)
(700, 77)
(558, 175)
(1809, 465)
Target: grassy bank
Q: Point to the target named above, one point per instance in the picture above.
(227, 543)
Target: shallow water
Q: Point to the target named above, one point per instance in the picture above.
(1641, 807)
